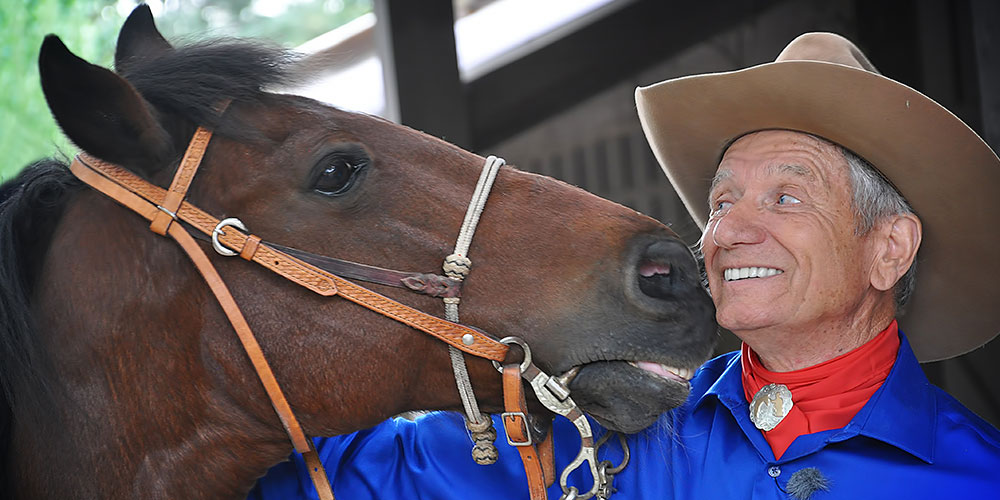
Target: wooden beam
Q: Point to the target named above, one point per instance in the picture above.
(926, 45)
(416, 41)
(591, 59)
(986, 16)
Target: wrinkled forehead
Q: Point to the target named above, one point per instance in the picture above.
(773, 170)
(782, 153)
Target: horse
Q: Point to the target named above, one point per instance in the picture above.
(121, 374)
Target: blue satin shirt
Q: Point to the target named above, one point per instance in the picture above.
(911, 440)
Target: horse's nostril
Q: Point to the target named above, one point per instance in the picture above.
(658, 276)
(655, 279)
(649, 269)
(658, 269)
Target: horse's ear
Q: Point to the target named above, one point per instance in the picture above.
(139, 39)
(100, 111)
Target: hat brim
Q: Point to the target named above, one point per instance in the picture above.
(940, 165)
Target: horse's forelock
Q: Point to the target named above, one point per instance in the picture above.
(191, 81)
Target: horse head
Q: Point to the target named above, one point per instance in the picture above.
(135, 339)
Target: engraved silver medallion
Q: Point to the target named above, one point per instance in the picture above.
(770, 405)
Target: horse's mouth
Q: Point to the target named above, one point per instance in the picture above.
(629, 396)
(681, 375)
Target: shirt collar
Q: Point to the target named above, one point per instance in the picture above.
(906, 392)
(902, 413)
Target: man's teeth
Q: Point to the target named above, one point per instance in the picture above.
(739, 273)
(668, 372)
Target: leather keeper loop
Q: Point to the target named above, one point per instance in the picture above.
(250, 247)
(161, 223)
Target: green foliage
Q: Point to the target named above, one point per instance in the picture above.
(90, 27)
(27, 131)
(289, 22)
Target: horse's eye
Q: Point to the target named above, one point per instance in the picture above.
(336, 175)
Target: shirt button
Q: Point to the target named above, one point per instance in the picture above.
(774, 471)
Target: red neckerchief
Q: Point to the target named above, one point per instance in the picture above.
(828, 395)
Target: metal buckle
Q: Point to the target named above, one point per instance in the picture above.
(232, 221)
(524, 427)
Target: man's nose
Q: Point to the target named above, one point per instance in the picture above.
(740, 225)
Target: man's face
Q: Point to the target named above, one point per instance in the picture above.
(781, 211)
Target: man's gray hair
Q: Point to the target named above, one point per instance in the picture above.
(875, 198)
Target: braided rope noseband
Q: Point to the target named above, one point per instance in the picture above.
(457, 266)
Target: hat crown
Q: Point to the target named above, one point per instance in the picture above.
(826, 47)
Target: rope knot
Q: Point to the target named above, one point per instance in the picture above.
(457, 266)
(483, 427)
(484, 452)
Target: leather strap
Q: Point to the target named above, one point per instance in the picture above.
(431, 284)
(318, 473)
(182, 181)
(546, 455)
(515, 423)
(116, 181)
(299, 440)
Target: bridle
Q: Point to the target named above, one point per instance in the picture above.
(169, 214)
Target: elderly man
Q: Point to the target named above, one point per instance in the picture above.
(809, 253)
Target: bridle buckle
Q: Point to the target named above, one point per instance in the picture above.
(216, 244)
(517, 422)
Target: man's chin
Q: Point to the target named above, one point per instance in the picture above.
(746, 317)
(624, 398)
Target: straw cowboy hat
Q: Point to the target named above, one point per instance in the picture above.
(823, 85)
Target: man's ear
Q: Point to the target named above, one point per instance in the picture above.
(900, 235)
(101, 112)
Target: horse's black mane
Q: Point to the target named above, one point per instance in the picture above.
(188, 82)
(191, 81)
(30, 207)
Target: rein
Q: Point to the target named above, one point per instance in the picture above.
(322, 275)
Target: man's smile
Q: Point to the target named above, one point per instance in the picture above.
(739, 273)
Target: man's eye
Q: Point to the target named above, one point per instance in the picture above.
(721, 206)
(787, 199)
